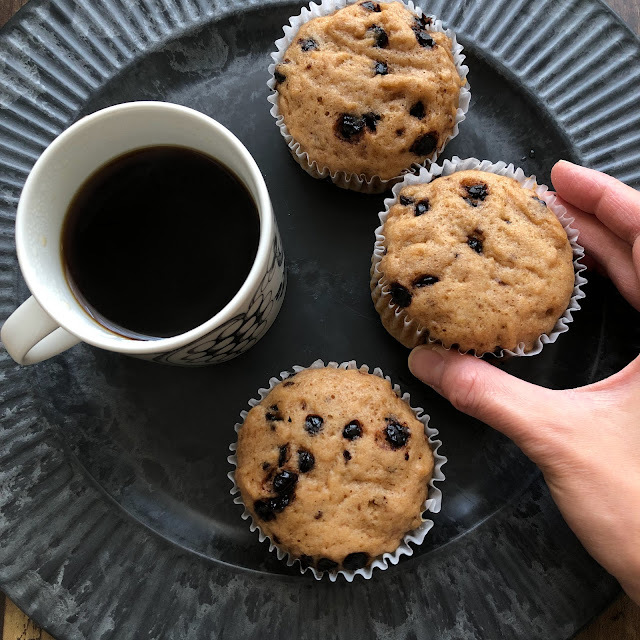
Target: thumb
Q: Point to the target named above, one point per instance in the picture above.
(506, 403)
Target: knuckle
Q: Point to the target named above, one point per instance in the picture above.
(466, 389)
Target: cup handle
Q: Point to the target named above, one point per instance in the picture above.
(30, 335)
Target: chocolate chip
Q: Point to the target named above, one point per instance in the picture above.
(280, 77)
(313, 424)
(306, 461)
(355, 561)
(283, 456)
(305, 561)
(308, 44)
(285, 481)
(418, 110)
(423, 206)
(371, 120)
(477, 191)
(397, 434)
(424, 21)
(265, 466)
(400, 295)
(405, 201)
(352, 430)
(380, 36)
(264, 510)
(346, 455)
(475, 243)
(424, 144)
(542, 202)
(380, 69)
(371, 6)
(324, 564)
(350, 127)
(423, 37)
(406, 456)
(425, 281)
(273, 414)
(318, 515)
(281, 502)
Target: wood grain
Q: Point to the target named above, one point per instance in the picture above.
(629, 11)
(621, 621)
(8, 8)
(18, 627)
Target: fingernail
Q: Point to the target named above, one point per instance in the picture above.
(568, 164)
(427, 364)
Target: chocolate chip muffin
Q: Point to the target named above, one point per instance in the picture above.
(369, 90)
(472, 260)
(334, 467)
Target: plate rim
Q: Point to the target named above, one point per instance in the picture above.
(56, 446)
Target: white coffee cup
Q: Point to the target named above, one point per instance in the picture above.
(52, 320)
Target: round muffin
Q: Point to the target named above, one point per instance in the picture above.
(474, 260)
(369, 89)
(334, 467)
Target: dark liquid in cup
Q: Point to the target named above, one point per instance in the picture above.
(159, 240)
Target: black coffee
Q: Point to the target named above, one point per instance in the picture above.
(158, 240)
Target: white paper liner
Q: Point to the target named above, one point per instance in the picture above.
(342, 179)
(410, 329)
(432, 503)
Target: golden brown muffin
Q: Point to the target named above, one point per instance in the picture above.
(334, 467)
(476, 260)
(369, 89)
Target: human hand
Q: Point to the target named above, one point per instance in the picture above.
(596, 486)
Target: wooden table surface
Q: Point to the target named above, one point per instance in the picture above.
(621, 621)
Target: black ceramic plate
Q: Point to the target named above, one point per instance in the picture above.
(115, 517)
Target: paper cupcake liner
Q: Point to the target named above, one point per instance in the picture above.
(342, 179)
(408, 330)
(432, 503)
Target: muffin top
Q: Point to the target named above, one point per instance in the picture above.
(369, 89)
(478, 261)
(334, 467)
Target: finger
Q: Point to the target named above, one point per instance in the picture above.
(612, 253)
(473, 386)
(626, 381)
(615, 204)
(589, 260)
(593, 265)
